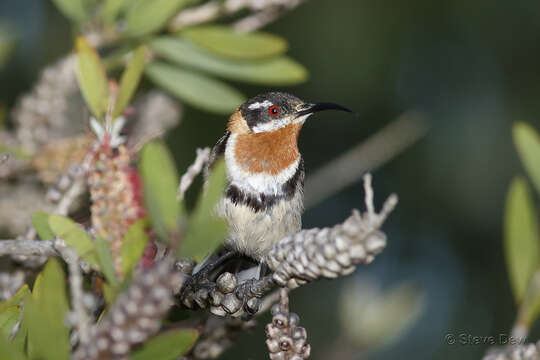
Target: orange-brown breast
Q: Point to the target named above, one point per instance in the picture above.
(268, 152)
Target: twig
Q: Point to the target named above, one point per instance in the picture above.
(348, 168)
(187, 179)
(4, 157)
(81, 319)
(77, 173)
(262, 18)
(212, 10)
(27, 248)
(197, 15)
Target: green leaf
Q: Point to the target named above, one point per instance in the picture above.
(112, 8)
(15, 151)
(133, 245)
(37, 289)
(275, 71)
(40, 220)
(9, 351)
(527, 143)
(92, 78)
(225, 41)
(8, 318)
(7, 44)
(75, 237)
(15, 299)
(106, 261)
(45, 316)
(73, 9)
(160, 181)
(130, 80)
(144, 17)
(205, 230)
(167, 346)
(521, 237)
(196, 89)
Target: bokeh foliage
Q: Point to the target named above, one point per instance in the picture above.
(190, 64)
(521, 232)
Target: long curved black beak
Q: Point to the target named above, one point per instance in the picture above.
(309, 108)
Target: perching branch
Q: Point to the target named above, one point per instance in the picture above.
(305, 256)
(187, 179)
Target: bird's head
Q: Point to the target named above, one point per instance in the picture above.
(273, 111)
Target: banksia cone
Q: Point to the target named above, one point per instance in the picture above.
(227, 297)
(115, 191)
(329, 252)
(285, 339)
(41, 117)
(136, 314)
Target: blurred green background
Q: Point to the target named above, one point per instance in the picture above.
(472, 67)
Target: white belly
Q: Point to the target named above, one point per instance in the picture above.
(254, 233)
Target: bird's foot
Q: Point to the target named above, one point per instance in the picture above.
(248, 294)
(196, 290)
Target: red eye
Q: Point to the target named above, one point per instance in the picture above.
(273, 110)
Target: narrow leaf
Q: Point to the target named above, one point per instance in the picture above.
(9, 351)
(205, 230)
(73, 9)
(106, 261)
(196, 89)
(522, 247)
(144, 17)
(8, 318)
(15, 299)
(130, 80)
(112, 8)
(160, 181)
(167, 346)
(133, 245)
(225, 41)
(527, 142)
(37, 288)
(74, 237)
(40, 220)
(91, 77)
(275, 71)
(45, 316)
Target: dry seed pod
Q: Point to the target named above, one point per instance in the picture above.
(285, 339)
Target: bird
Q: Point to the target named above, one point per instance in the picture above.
(263, 199)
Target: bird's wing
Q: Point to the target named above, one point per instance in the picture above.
(217, 151)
